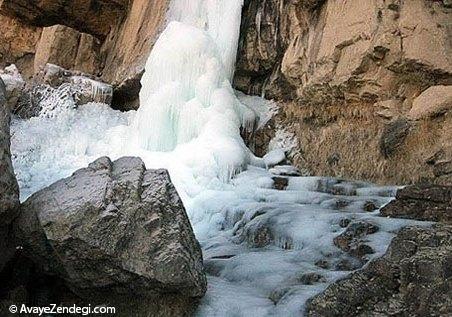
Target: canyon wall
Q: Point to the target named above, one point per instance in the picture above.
(366, 86)
(107, 39)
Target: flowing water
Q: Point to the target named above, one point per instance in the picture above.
(257, 241)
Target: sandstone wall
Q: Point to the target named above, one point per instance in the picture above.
(95, 17)
(109, 39)
(68, 48)
(352, 78)
(127, 48)
(18, 44)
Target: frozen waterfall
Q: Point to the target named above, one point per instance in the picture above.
(189, 122)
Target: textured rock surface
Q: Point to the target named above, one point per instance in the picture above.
(411, 279)
(421, 202)
(113, 41)
(18, 44)
(9, 190)
(352, 240)
(345, 71)
(128, 46)
(91, 16)
(114, 229)
(69, 49)
(432, 102)
(55, 87)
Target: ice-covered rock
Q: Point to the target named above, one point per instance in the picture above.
(9, 190)
(14, 84)
(115, 230)
(285, 170)
(351, 240)
(274, 157)
(86, 88)
(55, 88)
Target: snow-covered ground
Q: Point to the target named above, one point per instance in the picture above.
(258, 241)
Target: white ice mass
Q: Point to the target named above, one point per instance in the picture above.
(189, 123)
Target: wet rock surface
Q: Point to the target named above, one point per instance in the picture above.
(115, 231)
(421, 202)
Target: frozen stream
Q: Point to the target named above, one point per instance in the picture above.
(258, 242)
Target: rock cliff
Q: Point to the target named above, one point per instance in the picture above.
(365, 86)
(109, 39)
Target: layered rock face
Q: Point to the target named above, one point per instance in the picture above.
(9, 190)
(365, 86)
(422, 202)
(118, 233)
(109, 39)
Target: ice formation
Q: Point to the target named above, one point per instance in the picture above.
(55, 100)
(12, 78)
(98, 91)
(189, 123)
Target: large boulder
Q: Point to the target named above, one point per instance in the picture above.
(67, 48)
(412, 279)
(421, 202)
(116, 232)
(9, 190)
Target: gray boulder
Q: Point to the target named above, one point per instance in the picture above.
(9, 190)
(115, 231)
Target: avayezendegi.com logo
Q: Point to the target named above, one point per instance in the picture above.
(55, 309)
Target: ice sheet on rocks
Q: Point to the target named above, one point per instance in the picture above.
(303, 221)
(283, 139)
(12, 78)
(265, 109)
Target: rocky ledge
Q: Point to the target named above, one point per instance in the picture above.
(422, 202)
(414, 277)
